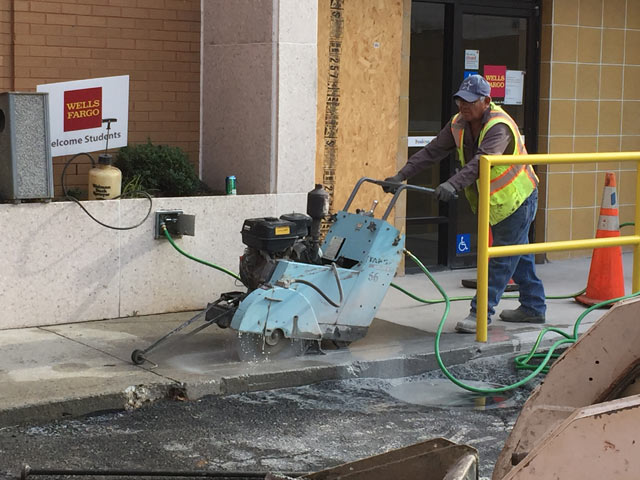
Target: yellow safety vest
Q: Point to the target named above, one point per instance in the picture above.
(510, 185)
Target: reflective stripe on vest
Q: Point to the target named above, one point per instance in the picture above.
(512, 171)
(510, 185)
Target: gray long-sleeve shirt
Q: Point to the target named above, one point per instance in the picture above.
(497, 141)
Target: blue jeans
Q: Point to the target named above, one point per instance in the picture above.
(514, 230)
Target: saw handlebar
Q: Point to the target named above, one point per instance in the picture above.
(399, 187)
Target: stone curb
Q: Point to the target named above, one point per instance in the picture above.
(137, 396)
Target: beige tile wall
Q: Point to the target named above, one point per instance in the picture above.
(589, 102)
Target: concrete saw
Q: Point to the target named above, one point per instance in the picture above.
(301, 293)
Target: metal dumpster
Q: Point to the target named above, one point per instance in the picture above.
(436, 459)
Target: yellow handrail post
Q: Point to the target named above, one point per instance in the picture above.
(635, 281)
(483, 250)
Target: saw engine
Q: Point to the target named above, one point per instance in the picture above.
(271, 239)
(299, 293)
(293, 236)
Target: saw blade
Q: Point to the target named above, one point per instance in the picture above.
(252, 347)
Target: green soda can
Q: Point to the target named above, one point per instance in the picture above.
(230, 182)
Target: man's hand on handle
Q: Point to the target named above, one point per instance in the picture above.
(445, 192)
(395, 179)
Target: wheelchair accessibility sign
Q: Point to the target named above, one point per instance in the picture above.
(463, 243)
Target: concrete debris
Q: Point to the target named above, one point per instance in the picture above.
(136, 396)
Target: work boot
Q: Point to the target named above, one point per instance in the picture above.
(468, 325)
(520, 315)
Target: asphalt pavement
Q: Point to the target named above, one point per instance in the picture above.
(298, 429)
(52, 372)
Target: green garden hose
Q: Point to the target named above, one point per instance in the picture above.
(212, 265)
(469, 297)
(522, 361)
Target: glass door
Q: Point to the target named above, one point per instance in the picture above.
(427, 89)
(449, 41)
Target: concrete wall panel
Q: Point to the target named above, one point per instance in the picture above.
(237, 21)
(298, 21)
(296, 117)
(59, 266)
(237, 116)
(259, 92)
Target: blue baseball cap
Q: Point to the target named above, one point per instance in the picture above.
(472, 88)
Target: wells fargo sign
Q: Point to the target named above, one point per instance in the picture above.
(76, 111)
(82, 109)
(496, 75)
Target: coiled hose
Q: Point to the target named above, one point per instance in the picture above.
(522, 361)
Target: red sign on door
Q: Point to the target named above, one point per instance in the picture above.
(496, 76)
(82, 109)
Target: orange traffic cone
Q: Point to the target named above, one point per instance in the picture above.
(606, 279)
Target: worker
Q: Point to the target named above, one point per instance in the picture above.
(483, 128)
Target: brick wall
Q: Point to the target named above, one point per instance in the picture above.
(6, 49)
(155, 42)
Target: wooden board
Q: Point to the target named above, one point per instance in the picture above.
(359, 90)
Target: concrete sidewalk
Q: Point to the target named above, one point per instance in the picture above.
(68, 370)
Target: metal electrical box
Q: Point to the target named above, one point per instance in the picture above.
(26, 170)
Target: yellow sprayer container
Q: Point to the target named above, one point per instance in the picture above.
(105, 180)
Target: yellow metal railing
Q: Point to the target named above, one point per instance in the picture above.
(485, 252)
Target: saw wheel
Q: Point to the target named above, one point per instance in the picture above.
(252, 347)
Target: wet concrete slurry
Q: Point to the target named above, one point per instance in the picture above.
(294, 429)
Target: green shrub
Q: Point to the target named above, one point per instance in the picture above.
(161, 170)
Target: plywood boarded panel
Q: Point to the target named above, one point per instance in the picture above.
(359, 87)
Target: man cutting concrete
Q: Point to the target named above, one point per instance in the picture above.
(483, 128)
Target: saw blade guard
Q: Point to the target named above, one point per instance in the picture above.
(267, 310)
